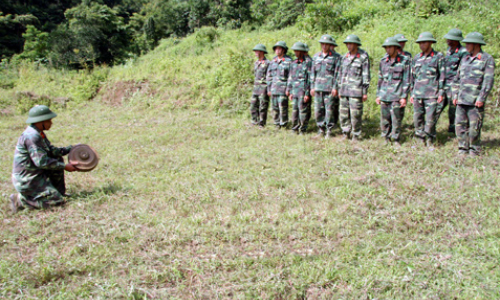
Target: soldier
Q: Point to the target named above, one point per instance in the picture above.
(323, 74)
(352, 85)
(277, 76)
(402, 42)
(471, 88)
(38, 173)
(454, 55)
(427, 88)
(392, 90)
(260, 99)
(298, 88)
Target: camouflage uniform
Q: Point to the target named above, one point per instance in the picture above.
(323, 75)
(472, 84)
(427, 84)
(298, 87)
(352, 83)
(393, 85)
(260, 98)
(452, 63)
(38, 172)
(277, 77)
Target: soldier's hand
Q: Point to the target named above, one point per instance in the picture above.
(377, 101)
(479, 104)
(288, 94)
(455, 101)
(306, 98)
(411, 100)
(365, 97)
(70, 167)
(269, 94)
(313, 92)
(290, 98)
(402, 101)
(440, 99)
(334, 93)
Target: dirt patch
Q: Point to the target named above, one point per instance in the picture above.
(116, 93)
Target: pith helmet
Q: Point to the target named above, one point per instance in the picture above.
(40, 113)
(426, 37)
(352, 38)
(298, 46)
(401, 38)
(307, 47)
(260, 47)
(454, 35)
(327, 39)
(282, 45)
(474, 38)
(391, 41)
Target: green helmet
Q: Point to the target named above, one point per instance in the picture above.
(307, 47)
(327, 39)
(391, 41)
(454, 35)
(474, 38)
(260, 47)
(352, 38)
(426, 37)
(401, 38)
(298, 46)
(282, 45)
(40, 113)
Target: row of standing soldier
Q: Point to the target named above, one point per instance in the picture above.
(462, 79)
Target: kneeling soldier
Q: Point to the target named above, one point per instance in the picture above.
(427, 85)
(392, 89)
(471, 88)
(298, 89)
(38, 173)
(260, 99)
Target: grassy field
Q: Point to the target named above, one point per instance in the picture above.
(199, 204)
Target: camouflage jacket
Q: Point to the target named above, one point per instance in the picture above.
(33, 156)
(393, 78)
(260, 71)
(324, 71)
(405, 54)
(428, 75)
(299, 78)
(277, 75)
(452, 62)
(353, 79)
(474, 79)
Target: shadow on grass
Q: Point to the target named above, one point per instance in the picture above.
(107, 190)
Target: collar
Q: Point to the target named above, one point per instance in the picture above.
(397, 59)
(349, 54)
(430, 54)
(300, 60)
(279, 59)
(39, 131)
(478, 55)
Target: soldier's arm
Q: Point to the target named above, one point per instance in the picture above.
(269, 78)
(313, 74)
(366, 75)
(380, 79)
(289, 82)
(412, 77)
(58, 151)
(308, 79)
(455, 85)
(442, 76)
(488, 80)
(406, 81)
(40, 157)
(336, 74)
(338, 77)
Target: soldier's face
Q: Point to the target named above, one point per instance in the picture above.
(279, 51)
(352, 47)
(452, 44)
(470, 47)
(325, 47)
(47, 124)
(259, 54)
(402, 44)
(425, 46)
(391, 50)
(298, 54)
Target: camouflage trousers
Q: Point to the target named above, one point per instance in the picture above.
(280, 109)
(351, 113)
(391, 118)
(326, 110)
(45, 193)
(469, 121)
(424, 117)
(301, 114)
(258, 109)
(451, 111)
